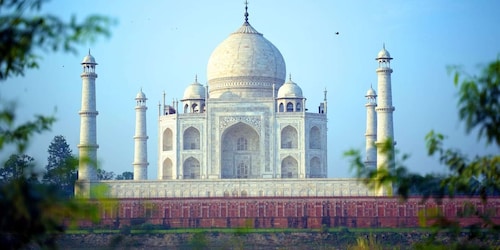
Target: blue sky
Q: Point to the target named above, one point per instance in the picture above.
(162, 45)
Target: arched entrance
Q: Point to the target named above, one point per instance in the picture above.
(240, 152)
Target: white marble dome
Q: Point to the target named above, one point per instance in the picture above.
(194, 91)
(383, 54)
(89, 59)
(140, 95)
(290, 90)
(246, 64)
(371, 92)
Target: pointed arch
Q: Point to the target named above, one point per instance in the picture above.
(281, 107)
(298, 107)
(167, 170)
(167, 140)
(289, 167)
(186, 108)
(314, 138)
(289, 137)
(191, 139)
(240, 152)
(191, 168)
(315, 168)
(289, 107)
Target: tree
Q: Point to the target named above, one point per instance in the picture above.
(17, 166)
(19, 135)
(125, 176)
(105, 175)
(479, 101)
(479, 108)
(61, 167)
(33, 214)
(23, 36)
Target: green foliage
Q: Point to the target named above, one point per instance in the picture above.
(363, 243)
(479, 100)
(198, 241)
(23, 32)
(105, 175)
(32, 213)
(394, 175)
(125, 176)
(17, 166)
(479, 176)
(61, 169)
(19, 135)
(479, 108)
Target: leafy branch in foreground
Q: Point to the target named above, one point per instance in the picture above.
(19, 136)
(23, 31)
(33, 213)
(479, 101)
(479, 108)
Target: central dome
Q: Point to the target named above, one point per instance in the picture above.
(246, 64)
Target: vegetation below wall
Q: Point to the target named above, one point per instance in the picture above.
(340, 238)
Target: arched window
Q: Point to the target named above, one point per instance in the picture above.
(167, 140)
(242, 144)
(194, 107)
(191, 139)
(191, 168)
(289, 168)
(186, 108)
(281, 108)
(315, 168)
(289, 107)
(314, 138)
(242, 171)
(289, 137)
(298, 107)
(167, 169)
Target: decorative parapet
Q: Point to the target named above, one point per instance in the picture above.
(235, 188)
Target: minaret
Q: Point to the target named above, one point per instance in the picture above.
(87, 168)
(140, 139)
(385, 132)
(324, 101)
(371, 128)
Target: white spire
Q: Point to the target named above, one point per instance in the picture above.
(371, 128)
(140, 139)
(385, 131)
(87, 148)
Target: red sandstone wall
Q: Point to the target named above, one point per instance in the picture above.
(284, 212)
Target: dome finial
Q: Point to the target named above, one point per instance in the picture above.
(196, 78)
(246, 11)
(290, 77)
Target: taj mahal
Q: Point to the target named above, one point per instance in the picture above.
(248, 132)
